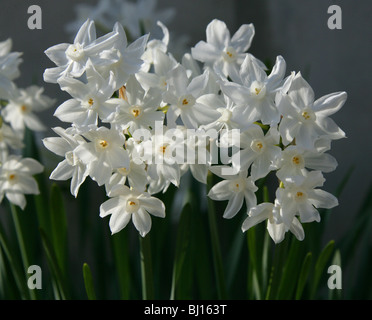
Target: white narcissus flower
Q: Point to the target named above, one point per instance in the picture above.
(16, 179)
(71, 167)
(304, 198)
(221, 51)
(270, 212)
(307, 120)
(259, 150)
(163, 65)
(294, 160)
(235, 189)
(164, 154)
(23, 103)
(139, 108)
(90, 100)
(9, 61)
(71, 59)
(153, 46)
(129, 204)
(9, 139)
(122, 59)
(103, 153)
(187, 100)
(256, 91)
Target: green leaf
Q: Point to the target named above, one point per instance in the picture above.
(121, 255)
(18, 273)
(57, 275)
(146, 268)
(88, 282)
(335, 293)
(304, 275)
(58, 227)
(182, 246)
(290, 271)
(320, 266)
(215, 241)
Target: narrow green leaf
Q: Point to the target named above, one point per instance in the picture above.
(182, 245)
(146, 268)
(88, 282)
(58, 227)
(122, 262)
(18, 273)
(320, 266)
(304, 275)
(21, 242)
(335, 294)
(53, 266)
(290, 271)
(216, 250)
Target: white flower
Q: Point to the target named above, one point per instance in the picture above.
(294, 160)
(259, 150)
(71, 59)
(221, 51)
(71, 167)
(9, 139)
(307, 120)
(104, 153)
(19, 112)
(90, 100)
(303, 198)
(164, 154)
(269, 211)
(122, 59)
(139, 108)
(163, 65)
(235, 189)
(9, 61)
(257, 91)
(230, 115)
(153, 46)
(16, 179)
(126, 204)
(135, 174)
(188, 101)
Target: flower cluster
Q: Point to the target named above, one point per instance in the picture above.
(140, 119)
(18, 112)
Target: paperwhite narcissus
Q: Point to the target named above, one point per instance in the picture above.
(144, 124)
(307, 120)
(71, 167)
(16, 179)
(129, 204)
(235, 189)
(21, 108)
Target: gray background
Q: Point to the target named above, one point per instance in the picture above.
(332, 60)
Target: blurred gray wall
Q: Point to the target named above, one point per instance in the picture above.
(331, 60)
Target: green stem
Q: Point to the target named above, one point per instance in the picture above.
(21, 243)
(146, 268)
(216, 249)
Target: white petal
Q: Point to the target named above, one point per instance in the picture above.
(153, 206)
(218, 34)
(234, 205)
(16, 198)
(63, 171)
(329, 104)
(142, 222)
(276, 231)
(220, 191)
(242, 39)
(322, 199)
(119, 221)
